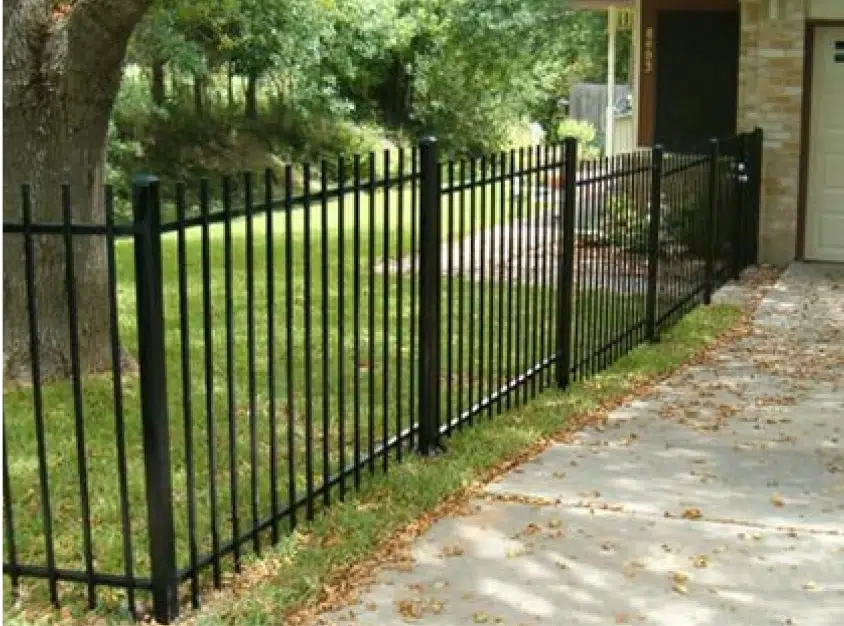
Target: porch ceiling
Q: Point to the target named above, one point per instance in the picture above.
(601, 5)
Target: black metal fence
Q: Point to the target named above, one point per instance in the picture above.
(274, 343)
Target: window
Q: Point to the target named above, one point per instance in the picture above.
(839, 52)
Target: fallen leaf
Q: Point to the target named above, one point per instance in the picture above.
(680, 577)
(700, 561)
(450, 551)
(681, 589)
(590, 494)
(409, 609)
(777, 500)
(480, 617)
(622, 618)
(692, 514)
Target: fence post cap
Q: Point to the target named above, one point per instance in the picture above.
(145, 197)
(715, 146)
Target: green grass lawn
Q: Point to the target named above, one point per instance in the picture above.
(379, 365)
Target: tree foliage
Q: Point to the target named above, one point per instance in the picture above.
(463, 69)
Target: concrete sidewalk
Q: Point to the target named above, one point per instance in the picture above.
(718, 499)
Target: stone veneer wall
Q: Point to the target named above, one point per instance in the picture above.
(771, 97)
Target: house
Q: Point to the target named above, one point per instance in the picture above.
(707, 68)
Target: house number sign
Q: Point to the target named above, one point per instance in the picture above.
(649, 50)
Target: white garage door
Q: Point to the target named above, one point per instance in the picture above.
(825, 193)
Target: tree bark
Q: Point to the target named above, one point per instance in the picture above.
(252, 96)
(230, 85)
(175, 91)
(394, 95)
(198, 94)
(61, 74)
(158, 91)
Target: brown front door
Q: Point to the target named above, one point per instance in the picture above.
(696, 77)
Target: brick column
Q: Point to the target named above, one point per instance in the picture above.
(771, 97)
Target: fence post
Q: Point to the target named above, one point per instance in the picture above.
(430, 272)
(711, 221)
(153, 390)
(565, 258)
(741, 207)
(653, 243)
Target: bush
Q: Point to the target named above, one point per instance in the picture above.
(685, 210)
(585, 134)
(519, 135)
(628, 223)
(684, 222)
(121, 160)
(134, 110)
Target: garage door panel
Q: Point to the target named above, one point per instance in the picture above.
(828, 226)
(825, 192)
(833, 166)
(830, 113)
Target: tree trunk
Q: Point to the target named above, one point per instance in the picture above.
(60, 78)
(394, 96)
(230, 85)
(158, 91)
(175, 90)
(252, 96)
(198, 95)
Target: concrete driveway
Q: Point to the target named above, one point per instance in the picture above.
(717, 499)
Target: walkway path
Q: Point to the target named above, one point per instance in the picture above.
(526, 251)
(716, 500)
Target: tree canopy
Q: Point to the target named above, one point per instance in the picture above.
(186, 87)
(465, 70)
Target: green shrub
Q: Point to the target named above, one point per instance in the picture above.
(585, 133)
(686, 208)
(628, 223)
(684, 222)
(519, 135)
(134, 110)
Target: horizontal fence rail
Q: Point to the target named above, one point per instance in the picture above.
(192, 383)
